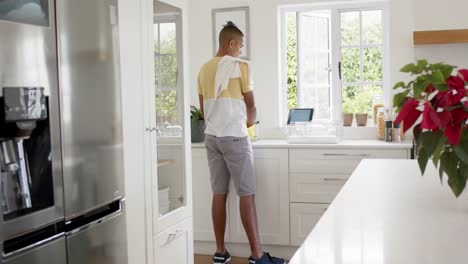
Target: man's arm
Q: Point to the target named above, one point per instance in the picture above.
(251, 109)
(200, 98)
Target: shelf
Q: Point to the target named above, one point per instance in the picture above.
(441, 37)
(162, 163)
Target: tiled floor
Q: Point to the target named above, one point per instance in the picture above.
(203, 259)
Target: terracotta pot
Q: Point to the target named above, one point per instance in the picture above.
(347, 119)
(361, 119)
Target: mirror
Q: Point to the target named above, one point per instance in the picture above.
(169, 107)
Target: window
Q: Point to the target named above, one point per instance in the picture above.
(332, 60)
(361, 60)
(166, 64)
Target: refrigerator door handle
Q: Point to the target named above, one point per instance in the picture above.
(32, 246)
(96, 222)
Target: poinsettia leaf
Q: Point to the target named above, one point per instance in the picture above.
(409, 68)
(430, 140)
(449, 163)
(446, 164)
(462, 153)
(444, 68)
(441, 87)
(422, 64)
(437, 77)
(438, 151)
(441, 172)
(423, 158)
(464, 170)
(399, 85)
(457, 183)
(447, 71)
(399, 99)
(420, 87)
(462, 148)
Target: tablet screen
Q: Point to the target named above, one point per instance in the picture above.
(300, 115)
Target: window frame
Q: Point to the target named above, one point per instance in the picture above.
(336, 82)
(300, 89)
(162, 19)
(175, 18)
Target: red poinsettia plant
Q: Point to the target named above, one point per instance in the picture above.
(435, 103)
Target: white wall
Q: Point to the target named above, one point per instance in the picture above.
(440, 15)
(264, 48)
(449, 15)
(404, 17)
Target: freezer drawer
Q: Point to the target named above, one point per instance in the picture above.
(51, 253)
(101, 242)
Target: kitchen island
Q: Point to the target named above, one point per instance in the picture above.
(388, 213)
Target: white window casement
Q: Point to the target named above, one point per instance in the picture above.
(333, 56)
(167, 61)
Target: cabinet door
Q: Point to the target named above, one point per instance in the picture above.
(168, 120)
(304, 217)
(337, 161)
(202, 198)
(272, 199)
(175, 245)
(316, 188)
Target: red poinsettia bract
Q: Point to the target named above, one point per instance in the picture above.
(447, 111)
(409, 114)
(464, 74)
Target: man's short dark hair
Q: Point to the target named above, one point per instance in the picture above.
(228, 32)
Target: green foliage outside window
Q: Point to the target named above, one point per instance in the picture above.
(165, 65)
(292, 60)
(356, 98)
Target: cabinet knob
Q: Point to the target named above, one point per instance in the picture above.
(150, 129)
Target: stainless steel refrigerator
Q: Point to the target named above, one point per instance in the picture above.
(61, 152)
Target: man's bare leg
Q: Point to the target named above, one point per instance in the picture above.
(218, 212)
(248, 214)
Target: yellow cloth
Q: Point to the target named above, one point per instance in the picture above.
(251, 131)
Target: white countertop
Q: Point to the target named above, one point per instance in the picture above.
(387, 213)
(344, 144)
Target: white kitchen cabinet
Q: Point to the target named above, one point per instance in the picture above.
(316, 188)
(304, 217)
(294, 188)
(317, 176)
(341, 161)
(167, 117)
(202, 198)
(272, 199)
(166, 100)
(175, 244)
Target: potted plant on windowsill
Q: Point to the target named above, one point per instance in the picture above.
(197, 125)
(362, 102)
(442, 134)
(348, 110)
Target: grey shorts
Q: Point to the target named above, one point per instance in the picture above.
(231, 157)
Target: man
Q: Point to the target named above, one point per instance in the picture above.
(227, 102)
